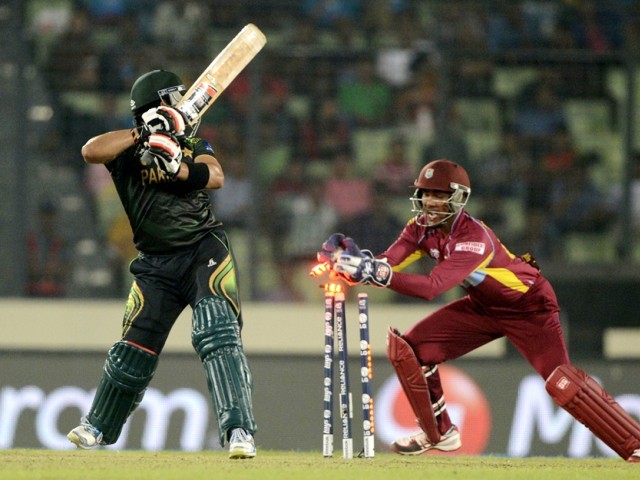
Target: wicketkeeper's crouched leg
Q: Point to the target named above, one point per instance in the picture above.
(216, 339)
(581, 396)
(425, 397)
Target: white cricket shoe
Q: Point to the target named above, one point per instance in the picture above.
(635, 456)
(418, 443)
(85, 435)
(241, 444)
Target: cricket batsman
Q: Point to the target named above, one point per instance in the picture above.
(162, 172)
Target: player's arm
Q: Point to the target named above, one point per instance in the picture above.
(443, 277)
(107, 146)
(205, 168)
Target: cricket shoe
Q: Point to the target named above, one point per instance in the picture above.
(241, 444)
(419, 443)
(635, 456)
(85, 435)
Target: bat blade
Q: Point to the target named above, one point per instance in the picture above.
(221, 72)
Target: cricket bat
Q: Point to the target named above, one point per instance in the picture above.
(221, 72)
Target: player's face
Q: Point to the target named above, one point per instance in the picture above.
(435, 205)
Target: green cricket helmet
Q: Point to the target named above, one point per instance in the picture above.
(153, 88)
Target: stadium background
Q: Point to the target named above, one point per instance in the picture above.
(538, 99)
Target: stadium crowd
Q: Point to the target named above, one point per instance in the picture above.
(354, 97)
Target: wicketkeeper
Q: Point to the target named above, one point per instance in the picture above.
(162, 172)
(507, 296)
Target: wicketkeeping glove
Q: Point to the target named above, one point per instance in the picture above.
(164, 119)
(336, 245)
(364, 268)
(166, 152)
(331, 249)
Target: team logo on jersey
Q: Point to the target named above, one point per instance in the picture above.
(474, 247)
(434, 253)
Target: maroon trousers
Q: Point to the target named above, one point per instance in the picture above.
(532, 326)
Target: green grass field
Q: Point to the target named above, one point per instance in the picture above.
(272, 465)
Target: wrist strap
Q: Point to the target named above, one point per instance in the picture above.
(198, 176)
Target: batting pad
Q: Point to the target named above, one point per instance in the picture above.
(126, 374)
(216, 338)
(414, 384)
(591, 405)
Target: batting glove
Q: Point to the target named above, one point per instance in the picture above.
(166, 152)
(164, 119)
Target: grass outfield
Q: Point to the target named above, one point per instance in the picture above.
(272, 465)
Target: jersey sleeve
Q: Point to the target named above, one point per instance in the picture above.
(459, 259)
(443, 277)
(405, 250)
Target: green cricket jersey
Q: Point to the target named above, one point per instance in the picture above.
(163, 215)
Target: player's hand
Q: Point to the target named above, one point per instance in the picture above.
(336, 245)
(164, 119)
(140, 134)
(363, 268)
(166, 152)
(331, 249)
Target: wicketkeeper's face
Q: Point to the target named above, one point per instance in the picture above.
(436, 207)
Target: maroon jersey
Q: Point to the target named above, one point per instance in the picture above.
(471, 256)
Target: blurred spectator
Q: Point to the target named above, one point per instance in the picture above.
(540, 113)
(561, 154)
(391, 23)
(303, 33)
(461, 25)
(180, 24)
(324, 132)
(396, 172)
(631, 27)
(275, 96)
(232, 201)
(501, 178)
(464, 27)
(617, 193)
(501, 173)
(346, 190)
(277, 204)
(416, 102)
(48, 256)
(449, 141)
(74, 59)
(377, 227)
(505, 29)
(107, 12)
(311, 219)
(577, 205)
(540, 19)
(326, 13)
(595, 25)
(396, 64)
(362, 95)
(122, 61)
(120, 251)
